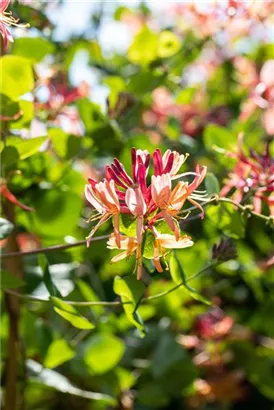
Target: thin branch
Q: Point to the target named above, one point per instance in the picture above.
(246, 209)
(215, 199)
(52, 248)
(105, 303)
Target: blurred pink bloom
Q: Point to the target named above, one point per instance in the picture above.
(252, 177)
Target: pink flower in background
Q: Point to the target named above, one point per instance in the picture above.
(145, 204)
(252, 179)
(7, 20)
(262, 96)
(59, 104)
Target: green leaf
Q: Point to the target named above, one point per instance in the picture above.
(168, 44)
(9, 109)
(131, 290)
(33, 48)
(9, 158)
(9, 281)
(103, 352)
(148, 245)
(89, 295)
(6, 227)
(27, 109)
(144, 47)
(70, 314)
(58, 352)
(26, 148)
(227, 220)
(56, 381)
(66, 146)
(128, 224)
(50, 285)
(17, 75)
(53, 217)
(211, 184)
(167, 353)
(186, 95)
(216, 136)
(178, 275)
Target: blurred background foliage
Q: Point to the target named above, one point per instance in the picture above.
(85, 83)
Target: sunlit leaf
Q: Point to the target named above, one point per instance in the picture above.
(26, 148)
(144, 48)
(58, 352)
(34, 48)
(71, 314)
(16, 75)
(103, 352)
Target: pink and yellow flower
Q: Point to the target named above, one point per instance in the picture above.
(146, 204)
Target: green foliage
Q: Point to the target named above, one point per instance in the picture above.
(179, 277)
(131, 292)
(144, 48)
(17, 76)
(71, 314)
(212, 184)
(9, 281)
(33, 48)
(103, 352)
(25, 148)
(177, 86)
(58, 352)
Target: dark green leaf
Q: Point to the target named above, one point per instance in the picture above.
(131, 291)
(10, 281)
(211, 184)
(178, 275)
(50, 285)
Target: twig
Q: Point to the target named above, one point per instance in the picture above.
(52, 248)
(246, 209)
(105, 303)
(215, 199)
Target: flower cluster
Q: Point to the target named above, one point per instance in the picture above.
(152, 210)
(252, 177)
(7, 20)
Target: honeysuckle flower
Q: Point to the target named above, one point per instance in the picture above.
(130, 246)
(103, 198)
(172, 201)
(252, 178)
(146, 204)
(164, 242)
(7, 20)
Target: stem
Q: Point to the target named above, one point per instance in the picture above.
(117, 303)
(246, 209)
(100, 238)
(13, 310)
(52, 248)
